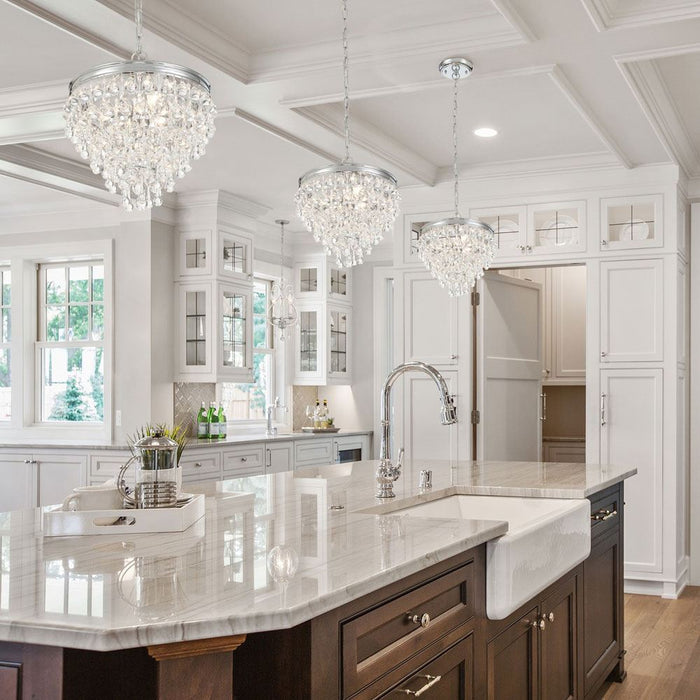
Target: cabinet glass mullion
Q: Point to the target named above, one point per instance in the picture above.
(233, 329)
(195, 253)
(195, 328)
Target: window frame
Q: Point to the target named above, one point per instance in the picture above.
(26, 422)
(6, 344)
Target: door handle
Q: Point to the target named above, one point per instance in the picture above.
(543, 414)
(603, 413)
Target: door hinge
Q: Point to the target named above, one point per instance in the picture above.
(476, 298)
(476, 417)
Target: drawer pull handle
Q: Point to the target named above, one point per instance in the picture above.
(603, 514)
(244, 459)
(198, 464)
(422, 620)
(432, 680)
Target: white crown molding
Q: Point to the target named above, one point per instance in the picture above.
(61, 174)
(374, 140)
(649, 88)
(577, 162)
(515, 19)
(29, 99)
(562, 82)
(213, 207)
(605, 16)
(72, 28)
(282, 134)
(185, 30)
(479, 33)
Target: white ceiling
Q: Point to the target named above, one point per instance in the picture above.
(562, 80)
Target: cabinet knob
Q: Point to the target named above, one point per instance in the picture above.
(548, 616)
(603, 242)
(198, 464)
(244, 459)
(422, 620)
(603, 353)
(537, 624)
(453, 357)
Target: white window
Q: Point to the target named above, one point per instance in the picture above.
(5, 339)
(247, 402)
(70, 347)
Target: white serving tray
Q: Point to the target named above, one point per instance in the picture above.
(68, 523)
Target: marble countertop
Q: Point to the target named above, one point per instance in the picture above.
(193, 444)
(118, 591)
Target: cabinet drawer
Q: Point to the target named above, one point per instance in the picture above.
(313, 451)
(202, 465)
(106, 465)
(605, 512)
(383, 638)
(448, 677)
(247, 460)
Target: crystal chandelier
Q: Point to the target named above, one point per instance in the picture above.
(456, 250)
(282, 311)
(347, 206)
(140, 123)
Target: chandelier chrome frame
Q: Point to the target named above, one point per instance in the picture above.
(147, 167)
(456, 250)
(347, 206)
(282, 311)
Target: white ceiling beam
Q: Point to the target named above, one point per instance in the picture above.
(34, 165)
(374, 140)
(515, 19)
(649, 88)
(606, 15)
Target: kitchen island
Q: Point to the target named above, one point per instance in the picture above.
(203, 611)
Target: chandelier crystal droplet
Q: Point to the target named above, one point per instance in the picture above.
(140, 123)
(456, 250)
(348, 207)
(282, 310)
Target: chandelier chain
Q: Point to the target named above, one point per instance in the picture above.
(282, 253)
(139, 55)
(455, 104)
(346, 84)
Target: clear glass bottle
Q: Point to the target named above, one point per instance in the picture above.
(324, 414)
(317, 414)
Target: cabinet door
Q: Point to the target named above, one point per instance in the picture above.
(194, 253)
(556, 229)
(559, 644)
(568, 336)
(631, 311)
(279, 457)
(59, 475)
(602, 611)
(430, 321)
(631, 433)
(631, 222)
(448, 677)
(18, 479)
(235, 333)
(509, 230)
(309, 346)
(512, 659)
(194, 330)
(339, 346)
(234, 255)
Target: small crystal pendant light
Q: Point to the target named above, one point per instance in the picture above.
(347, 206)
(282, 311)
(456, 250)
(140, 123)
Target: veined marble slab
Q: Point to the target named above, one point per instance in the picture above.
(110, 592)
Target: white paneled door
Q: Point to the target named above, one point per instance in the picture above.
(631, 434)
(509, 369)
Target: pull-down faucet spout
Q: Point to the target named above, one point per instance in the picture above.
(388, 473)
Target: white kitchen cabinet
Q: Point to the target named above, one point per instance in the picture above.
(631, 222)
(567, 321)
(631, 420)
(279, 456)
(58, 475)
(313, 451)
(200, 465)
(564, 451)
(246, 460)
(350, 448)
(105, 465)
(221, 253)
(317, 277)
(631, 311)
(509, 226)
(18, 478)
(215, 331)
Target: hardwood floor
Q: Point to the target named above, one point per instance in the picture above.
(662, 638)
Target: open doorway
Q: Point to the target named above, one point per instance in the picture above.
(530, 365)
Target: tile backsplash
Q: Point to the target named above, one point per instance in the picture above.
(187, 398)
(302, 396)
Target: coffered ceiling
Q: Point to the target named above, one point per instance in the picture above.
(569, 84)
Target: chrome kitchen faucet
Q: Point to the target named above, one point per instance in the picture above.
(387, 473)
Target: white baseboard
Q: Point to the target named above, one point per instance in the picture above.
(664, 589)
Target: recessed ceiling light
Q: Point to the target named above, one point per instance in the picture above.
(486, 132)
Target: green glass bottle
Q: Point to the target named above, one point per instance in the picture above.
(222, 422)
(202, 427)
(213, 418)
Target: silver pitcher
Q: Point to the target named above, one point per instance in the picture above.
(156, 474)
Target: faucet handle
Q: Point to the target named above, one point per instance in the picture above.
(399, 459)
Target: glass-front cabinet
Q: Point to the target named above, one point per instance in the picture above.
(215, 317)
(631, 222)
(317, 277)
